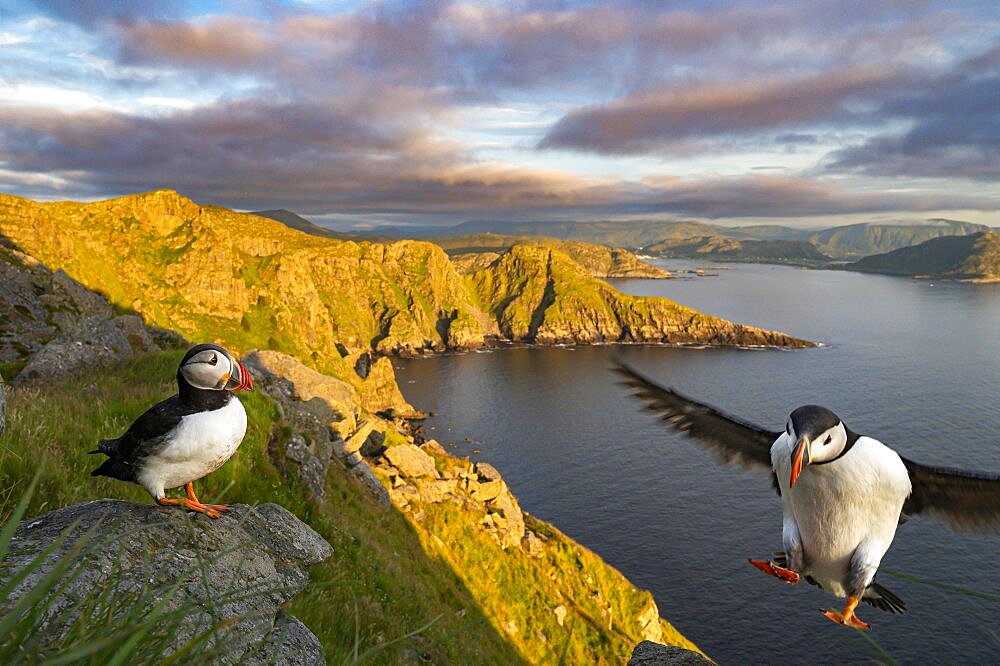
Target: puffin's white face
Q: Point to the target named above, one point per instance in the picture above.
(209, 369)
(817, 435)
(827, 446)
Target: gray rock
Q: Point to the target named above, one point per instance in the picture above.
(648, 653)
(255, 558)
(89, 341)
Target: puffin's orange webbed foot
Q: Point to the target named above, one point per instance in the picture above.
(210, 510)
(846, 617)
(772, 569)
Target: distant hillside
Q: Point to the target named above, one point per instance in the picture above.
(629, 234)
(850, 241)
(974, 257)
(717, 248)
(299, 223)
(862, 240)
(601, 261)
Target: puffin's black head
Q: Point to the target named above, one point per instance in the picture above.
(819, 435)
(212, 368)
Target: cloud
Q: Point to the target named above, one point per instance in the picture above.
(320, 159)
(651, 121)
(954, 129)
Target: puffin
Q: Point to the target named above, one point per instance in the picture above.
(188, 435)
(842, 494)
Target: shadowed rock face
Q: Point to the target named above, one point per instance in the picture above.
(256, 558)
(648, 653)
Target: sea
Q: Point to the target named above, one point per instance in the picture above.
(914, 363)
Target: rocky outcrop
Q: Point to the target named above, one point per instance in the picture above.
(540, 295)
(55, 326)
(648, 653)
(233, 573)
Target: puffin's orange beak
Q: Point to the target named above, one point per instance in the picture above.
(798, 453)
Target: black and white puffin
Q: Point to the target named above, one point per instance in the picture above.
(842, 494)
(187, 436)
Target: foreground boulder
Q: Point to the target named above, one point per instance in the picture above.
(234, 572)
(648, 653)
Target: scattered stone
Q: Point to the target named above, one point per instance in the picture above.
(433, 492)
(560, 612)
(648, 653)
(433, 446)
(533, 546)
(401, 496)
(360, 436)
(487, 472)
(312, 463)
(374, 446)
(484, 492)
(268, 546)
(411, 461)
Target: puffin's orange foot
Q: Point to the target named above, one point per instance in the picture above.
(772, 569)
(847, 617)
(210, 510)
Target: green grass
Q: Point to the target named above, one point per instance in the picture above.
(379, 586)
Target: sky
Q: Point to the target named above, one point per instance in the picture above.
(355, 113)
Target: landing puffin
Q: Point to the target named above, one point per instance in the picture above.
(187, 436)
(842, 494)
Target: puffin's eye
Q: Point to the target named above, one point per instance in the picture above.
(214, 360)
(828, 438)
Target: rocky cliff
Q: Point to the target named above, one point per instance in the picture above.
(532, 582)
(231, 576)
(246, 281)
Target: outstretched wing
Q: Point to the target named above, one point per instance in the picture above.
(734, 440)
(967, 501)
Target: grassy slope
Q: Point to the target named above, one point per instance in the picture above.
(379, 585)
(730, 249)
(387, 577)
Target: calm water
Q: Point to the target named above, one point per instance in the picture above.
(916, 364)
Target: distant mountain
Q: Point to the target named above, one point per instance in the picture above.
(718, 248)
(973, 257)
(469, 252)
(844, 242)
(862, 240)
(299, 223)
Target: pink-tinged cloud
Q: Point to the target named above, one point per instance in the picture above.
(316, 159)
(649, 121)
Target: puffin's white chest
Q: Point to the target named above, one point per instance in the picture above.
(850, 502)
(200, 444)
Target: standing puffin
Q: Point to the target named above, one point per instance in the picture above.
(842, 494)
(187, 436)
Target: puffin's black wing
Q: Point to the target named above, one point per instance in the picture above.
(734, 440)
(148, 432)
(968, 501)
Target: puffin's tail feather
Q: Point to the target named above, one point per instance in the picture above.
(106, 446)
(883, 599)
